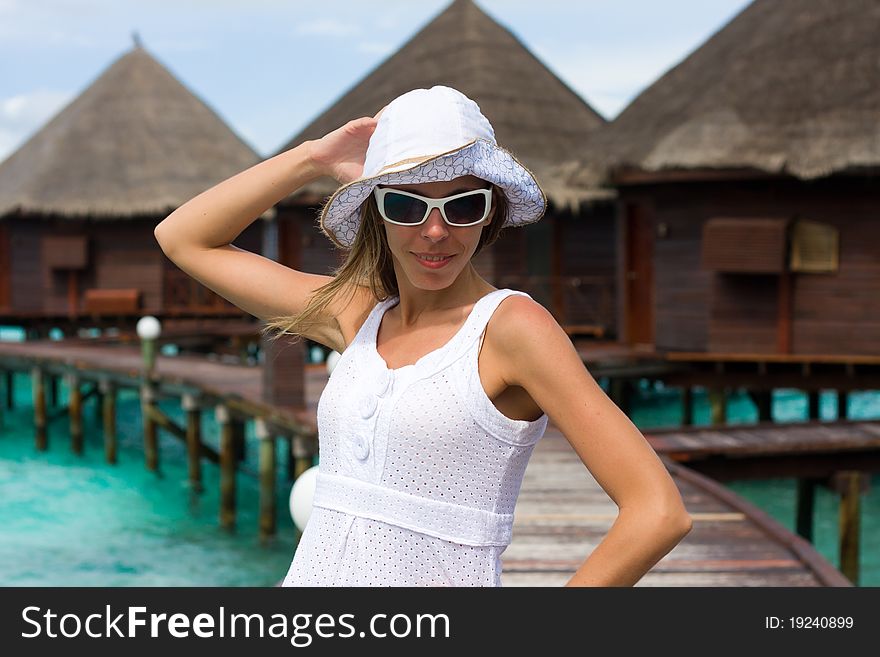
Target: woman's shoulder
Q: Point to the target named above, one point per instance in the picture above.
(521, 326)
(519, 306)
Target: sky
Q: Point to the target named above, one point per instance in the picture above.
(269, 67)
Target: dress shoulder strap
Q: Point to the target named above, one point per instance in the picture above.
(487, 310)
(520, 433)
(368, 327)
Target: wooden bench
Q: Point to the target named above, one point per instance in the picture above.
(112, 302)
(575, 330)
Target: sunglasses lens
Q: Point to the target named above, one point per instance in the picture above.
(404, 209)
(467, 209)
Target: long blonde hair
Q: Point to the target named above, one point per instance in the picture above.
(368, 264)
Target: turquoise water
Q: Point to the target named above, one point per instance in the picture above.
(68, 520)
(74, 520)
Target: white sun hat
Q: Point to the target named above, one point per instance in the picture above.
(428, 135)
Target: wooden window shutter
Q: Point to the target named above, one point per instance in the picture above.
(65, 251)
(814, 247)
(747, 246)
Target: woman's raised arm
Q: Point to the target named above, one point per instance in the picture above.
(197, 236)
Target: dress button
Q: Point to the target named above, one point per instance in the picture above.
(368, 406)
(383, 382)
(361, 447)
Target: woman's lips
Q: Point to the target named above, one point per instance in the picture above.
(438, 264)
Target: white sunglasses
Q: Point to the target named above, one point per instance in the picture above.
(407, 209)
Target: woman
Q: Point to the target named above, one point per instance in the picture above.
(445, 383)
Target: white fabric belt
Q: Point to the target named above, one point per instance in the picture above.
(451, 522)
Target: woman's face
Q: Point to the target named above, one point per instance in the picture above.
(436, 237)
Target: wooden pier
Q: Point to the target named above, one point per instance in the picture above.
(720, 373)
(231, 392)
(840, 455)
(562, 513)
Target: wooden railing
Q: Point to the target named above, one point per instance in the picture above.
(183, 293)
(581, 304)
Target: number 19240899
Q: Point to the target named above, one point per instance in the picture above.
(808, 622)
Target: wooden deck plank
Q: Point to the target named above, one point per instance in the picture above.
(764, 438)
(657, 578)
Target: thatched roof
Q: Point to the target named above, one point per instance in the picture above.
(135, 142)
(786, 87)
(535, 115)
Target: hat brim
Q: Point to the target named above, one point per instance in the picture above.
(340, 217)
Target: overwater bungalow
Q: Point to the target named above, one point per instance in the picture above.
(748, 191)
(80, 199)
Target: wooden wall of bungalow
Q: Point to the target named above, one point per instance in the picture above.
(89, 269)
(566, 261)
(767, 265)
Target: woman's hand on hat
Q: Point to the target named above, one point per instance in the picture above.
(340, 154)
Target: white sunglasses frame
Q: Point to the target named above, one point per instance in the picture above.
(440, 203)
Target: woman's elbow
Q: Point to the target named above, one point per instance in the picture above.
(677, 521)
(673, 517)
(156, 236)
(685, 523)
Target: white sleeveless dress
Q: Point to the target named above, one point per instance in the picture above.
(419, 472)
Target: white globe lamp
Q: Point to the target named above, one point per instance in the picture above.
(301, 496)
(332, 358)
(148, 329)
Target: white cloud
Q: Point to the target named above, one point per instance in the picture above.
(327, 27)
(375, 47)
(45, 36)
(22, 115)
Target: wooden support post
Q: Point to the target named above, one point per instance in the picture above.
(74, 400)
(291, 461)
(621, 394)
(268, 526)
(764, 402)
(806, 495)
(39, 392)
(238, 440)
(3, 382)
(614, 392)
(813, 405)
(99, 405)
(850, 484)
(193, 440)
(718, 403)
(842, 398)
(151, 438)
(164, 422)
(10, 390)
(227, 467)
(628, 394)
(784, 306)
(687, 406)
(108, 412)
(302, 456)
(53, 391)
